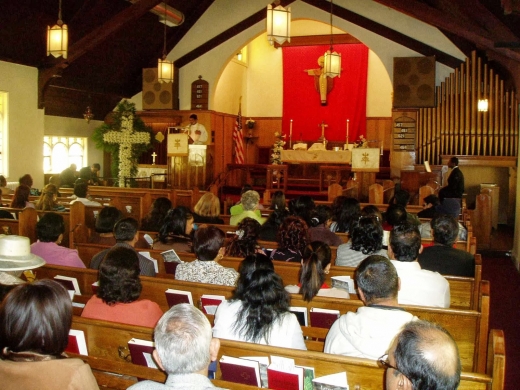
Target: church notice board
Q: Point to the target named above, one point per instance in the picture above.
(199, 94)
(404, 130)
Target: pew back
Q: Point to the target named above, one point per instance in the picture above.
(108, 341)
(468, 327)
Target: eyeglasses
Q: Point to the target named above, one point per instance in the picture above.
(383, 362)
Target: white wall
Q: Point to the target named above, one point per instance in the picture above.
(25, 122)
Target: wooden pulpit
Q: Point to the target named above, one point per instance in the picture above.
(365, 163)
(187, 164)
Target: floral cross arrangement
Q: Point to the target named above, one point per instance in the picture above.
(126, 139)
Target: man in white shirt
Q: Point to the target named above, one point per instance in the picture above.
(368, 333)
(418, 287)
(197, 131)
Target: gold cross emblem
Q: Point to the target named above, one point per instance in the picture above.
(365, 158)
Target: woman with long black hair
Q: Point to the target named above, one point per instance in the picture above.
(259, 313)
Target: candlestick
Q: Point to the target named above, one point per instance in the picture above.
(290, 135)
(382, 147)
(348, 129)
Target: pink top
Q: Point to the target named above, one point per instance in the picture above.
(52, 253)
(141, 313)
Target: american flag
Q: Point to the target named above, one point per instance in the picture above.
(238, 138)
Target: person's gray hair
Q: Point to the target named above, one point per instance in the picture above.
(182, 339)
(250, 200)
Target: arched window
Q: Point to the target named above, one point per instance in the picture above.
(60, 152)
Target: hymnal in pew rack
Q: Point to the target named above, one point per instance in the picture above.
(174, 297)
(210, 303)
(323, 318)
(70, 283)
(141, 352)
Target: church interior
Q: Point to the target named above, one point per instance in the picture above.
(420, 81)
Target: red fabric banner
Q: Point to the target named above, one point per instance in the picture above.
(346, 100)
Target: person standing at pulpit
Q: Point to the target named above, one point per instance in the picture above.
(197, 131)
(455, 187)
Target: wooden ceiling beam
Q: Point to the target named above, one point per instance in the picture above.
(387, 32)
(90, 41)
(443, 21)
(315, 40)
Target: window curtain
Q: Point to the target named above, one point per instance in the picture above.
(347, 100)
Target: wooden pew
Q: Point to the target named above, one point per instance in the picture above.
(468, 327)
(108, 341)
(464, 291)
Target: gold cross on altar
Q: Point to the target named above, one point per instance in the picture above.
(153, 158)
(323, 125)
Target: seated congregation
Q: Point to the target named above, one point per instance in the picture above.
(258, 308)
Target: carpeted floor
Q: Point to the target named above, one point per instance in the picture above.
(505, 308)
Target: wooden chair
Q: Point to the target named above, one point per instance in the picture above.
(333, 191)
(425, 191)
(375, 194)
(388, 190)
(351, 190)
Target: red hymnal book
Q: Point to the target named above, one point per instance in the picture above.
(283, 380)
(77, 343)
(69, 283)
(95, 286)
(239, 370)
(141, 352)
(170, 267)
(210, 303)
(323, 318)
(174, 297)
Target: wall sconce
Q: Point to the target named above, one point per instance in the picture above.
(58, 38)
(239, 56)
(278, 24)
(483, 105)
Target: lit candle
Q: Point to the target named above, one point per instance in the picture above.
(290, 130)
(348, 128)
(382, 147)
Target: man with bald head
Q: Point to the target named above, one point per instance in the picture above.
(423, 356)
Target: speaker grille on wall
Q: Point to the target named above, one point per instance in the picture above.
(156, 95)
(414, 82)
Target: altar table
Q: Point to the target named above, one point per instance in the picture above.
(316, 156)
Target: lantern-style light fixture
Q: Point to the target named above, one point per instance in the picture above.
(164, 67)
(278, 24)
(332, 63)
(483, 105)
(58, 38)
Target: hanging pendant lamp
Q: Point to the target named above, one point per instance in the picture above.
(278, 24)
(58, 38)
(332, 63)
(165, 69)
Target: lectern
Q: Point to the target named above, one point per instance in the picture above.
(186, 163)
(365, 163)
